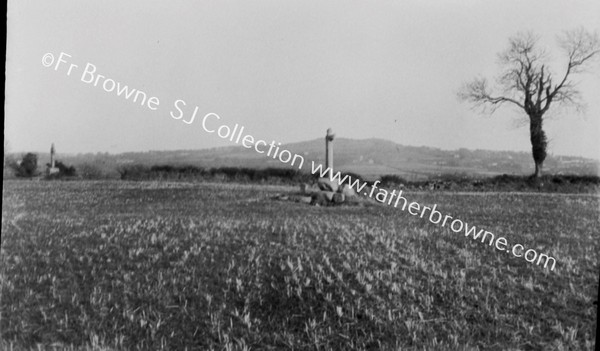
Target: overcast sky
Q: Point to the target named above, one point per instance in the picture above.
(286, 70)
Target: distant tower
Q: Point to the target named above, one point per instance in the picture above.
(52, 169)
(329, 149)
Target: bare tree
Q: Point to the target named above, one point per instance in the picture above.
(526, 81)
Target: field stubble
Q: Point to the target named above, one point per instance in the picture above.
(147, 265)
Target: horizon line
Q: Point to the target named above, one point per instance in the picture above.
(597, 159)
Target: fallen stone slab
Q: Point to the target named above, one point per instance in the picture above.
(338, 198)
(305, 199)
(347, 190)
(326, 184)
(322, 198)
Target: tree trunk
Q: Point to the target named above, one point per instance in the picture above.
(538, 143)
(538, 169)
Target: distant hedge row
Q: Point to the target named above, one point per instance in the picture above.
(448, 182)
(506, 183)
(239, 174)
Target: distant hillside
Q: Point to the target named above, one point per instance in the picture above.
(369, 158)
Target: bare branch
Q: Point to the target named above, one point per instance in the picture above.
(477, 93)
(582, 48)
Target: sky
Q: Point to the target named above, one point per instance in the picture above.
(285, 70)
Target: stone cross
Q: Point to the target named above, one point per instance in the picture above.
(329, 149)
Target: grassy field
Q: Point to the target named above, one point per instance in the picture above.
(150, 266)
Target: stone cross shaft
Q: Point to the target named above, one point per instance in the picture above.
(329, 149)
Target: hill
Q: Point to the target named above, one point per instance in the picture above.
(368, 157)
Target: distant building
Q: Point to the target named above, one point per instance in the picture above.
(52, 169)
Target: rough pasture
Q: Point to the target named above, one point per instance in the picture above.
(146, 265)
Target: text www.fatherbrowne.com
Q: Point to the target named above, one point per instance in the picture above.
(436, 217)
(210, 124)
